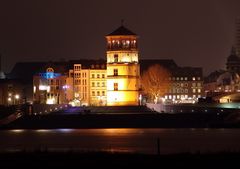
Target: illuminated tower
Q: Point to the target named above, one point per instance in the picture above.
(122, 68)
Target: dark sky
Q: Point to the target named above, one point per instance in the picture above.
(192, 32)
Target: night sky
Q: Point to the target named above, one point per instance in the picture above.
(192, 32)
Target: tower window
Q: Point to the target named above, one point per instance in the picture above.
(115, 86)
(115, 58)
(115, 72)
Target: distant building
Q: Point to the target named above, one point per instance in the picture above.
(50, 85)
(98, 85)
(224, 82)
(186, 83)
(12, 92)
(89, 84)
(123, 69)
(233, 61)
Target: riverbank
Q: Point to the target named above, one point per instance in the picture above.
(145, 120)
(43, 159)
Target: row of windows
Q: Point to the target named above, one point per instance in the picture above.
(98, 75)
(52, 94)
(181, 96)
(184, 78)
(186, 84)
(98, 93)
(198, 90)
(77, 67)
(184, 90)
(97, 66)
(55, 82)
(98, 84)
(178, 91)
(78, 75)
(78, 88)
(78, 82)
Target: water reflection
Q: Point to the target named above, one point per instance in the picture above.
(124, 140)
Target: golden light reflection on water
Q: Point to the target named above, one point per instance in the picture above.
(17, 130)
(42, 130)
(117, 132)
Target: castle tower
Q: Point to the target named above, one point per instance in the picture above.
(123, 69)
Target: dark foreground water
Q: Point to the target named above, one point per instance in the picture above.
(124, 140)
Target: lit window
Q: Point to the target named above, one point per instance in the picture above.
(115, 72)
(199, 84)
(103, 84)
(93, 76)
(98, 84)
(93, 93)
(181, 78)
(193, 79)
(103, 75)
(115, 86)
(177, 78)
(199, 90)
(98, 75)
(194, 84)
(198, 78)
(93, 84)
(194, 90)
(98, 93)
(116, 58)
(103, 93)
(185, 78)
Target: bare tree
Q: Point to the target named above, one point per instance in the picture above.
(155, 82)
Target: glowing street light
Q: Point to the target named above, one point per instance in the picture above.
(17, 96)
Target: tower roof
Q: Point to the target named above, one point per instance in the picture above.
(121, 31)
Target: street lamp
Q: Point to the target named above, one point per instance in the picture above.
(17, 98)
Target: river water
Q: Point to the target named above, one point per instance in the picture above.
(122, 140)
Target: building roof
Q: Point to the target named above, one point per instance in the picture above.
(25, 70)
(88, 63)
(166, 63)
(121, 31)
(212, 77)
(187, 72)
